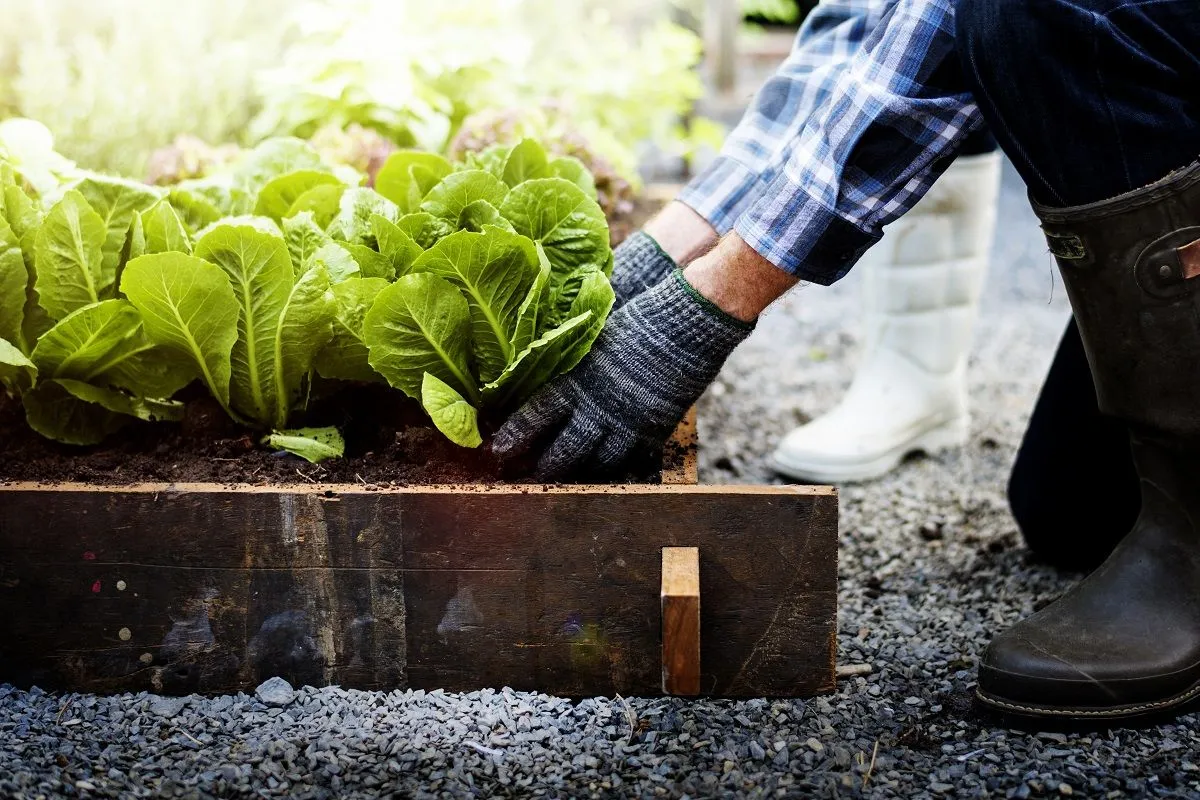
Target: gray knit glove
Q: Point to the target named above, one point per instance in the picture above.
(649, 365)
(638, 264)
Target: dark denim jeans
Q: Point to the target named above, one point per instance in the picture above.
(1090, 99)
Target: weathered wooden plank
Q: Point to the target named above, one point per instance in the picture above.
(680, 603)
(210, 589)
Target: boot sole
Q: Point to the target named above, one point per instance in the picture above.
(1066, 714)
(944, 437)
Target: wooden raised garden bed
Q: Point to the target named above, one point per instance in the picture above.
(208, 588)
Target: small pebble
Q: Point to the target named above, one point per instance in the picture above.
(275, 692)
(167, 706)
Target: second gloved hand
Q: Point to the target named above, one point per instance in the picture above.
(656, 356)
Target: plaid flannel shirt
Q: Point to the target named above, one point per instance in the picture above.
(851, 131)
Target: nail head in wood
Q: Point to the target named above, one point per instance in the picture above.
(681, 620)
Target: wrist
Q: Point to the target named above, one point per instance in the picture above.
(737, 280)
(709, 306)
(682, 234)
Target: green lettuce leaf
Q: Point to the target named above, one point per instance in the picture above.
(323, 202)
(219, 193)
(188, 306)
(451, 197)
(281, 322)
(573, 170)
(305, 325)
(539, 363)
(55, 413)
(527, 161)
(481, 213)
(89, 341)
(424, 229)
(558, 215)
(145, 409)
(490, 160)
(396, 180)
(353, 222)
(17, 372)
(69, 249)
(494, 270)
(135, 246)
(196, 210)
(395, 245)
(564, 295)
(259, 270)
(14, 287)
(278, 198)
(25, 220)
(261, 224)
(421, 323)
(535, 309)
(303, 237)
(106, 345)
(163, 230)
(309, 246)
(116, 200)
(346, 356)
(337, 261)
(370, 263)
(594, 296)
(272, 159)
(312, 444)
(451, 414)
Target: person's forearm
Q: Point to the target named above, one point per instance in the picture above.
(683, 234)
(737, 279)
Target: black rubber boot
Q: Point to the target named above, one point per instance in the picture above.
(1125, 642)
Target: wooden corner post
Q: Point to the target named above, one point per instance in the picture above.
(681, 620)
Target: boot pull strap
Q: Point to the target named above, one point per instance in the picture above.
(1167, 266)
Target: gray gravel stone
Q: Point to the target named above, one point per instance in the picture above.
(167, 706)
(275, 692)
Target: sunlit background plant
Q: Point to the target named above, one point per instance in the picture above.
(117, 79)
(415, 70)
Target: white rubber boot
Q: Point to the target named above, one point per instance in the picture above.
(921, 291)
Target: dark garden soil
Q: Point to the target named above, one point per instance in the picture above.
(389, 442)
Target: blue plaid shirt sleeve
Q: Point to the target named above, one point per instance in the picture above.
(851, 131)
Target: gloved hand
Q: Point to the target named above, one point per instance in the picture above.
(638, 263)
(650, 364)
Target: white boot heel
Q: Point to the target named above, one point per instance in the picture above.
(949, 436)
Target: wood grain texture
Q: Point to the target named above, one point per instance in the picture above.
(681, 620)
(205, 588)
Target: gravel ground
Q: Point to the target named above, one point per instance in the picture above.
(931, 566)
